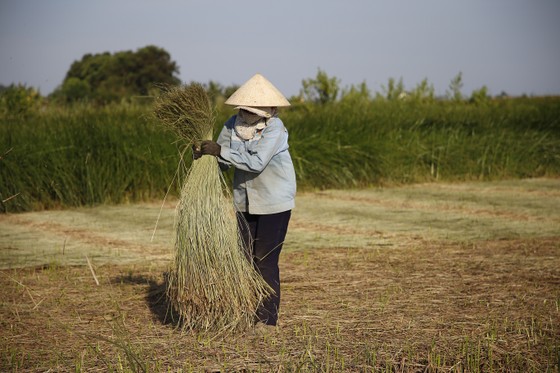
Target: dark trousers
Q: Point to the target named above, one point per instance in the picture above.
(263, 236)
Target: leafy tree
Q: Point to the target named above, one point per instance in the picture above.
(423, 91)
(455, 87)
(218, 93)
(229, 90)
(320, 90)
(19, 99)
(215, 90)
(75, 89)
(393, 91)
(480, 96)
(106, 77)
(356, 93)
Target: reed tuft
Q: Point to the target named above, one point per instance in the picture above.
(187, 111)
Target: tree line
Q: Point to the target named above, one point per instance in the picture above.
(105, 78)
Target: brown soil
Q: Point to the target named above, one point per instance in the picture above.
(391, 299)
(426, 306)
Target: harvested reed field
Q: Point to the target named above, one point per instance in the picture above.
(431, 277)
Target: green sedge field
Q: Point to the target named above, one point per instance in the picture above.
(438, 276)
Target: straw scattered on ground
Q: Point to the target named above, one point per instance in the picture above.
(450, 307)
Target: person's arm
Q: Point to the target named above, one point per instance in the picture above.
(223, 142)
(254, 159)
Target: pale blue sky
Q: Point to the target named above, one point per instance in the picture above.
(507, 45)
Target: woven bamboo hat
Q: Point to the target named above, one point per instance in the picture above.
(257, 91)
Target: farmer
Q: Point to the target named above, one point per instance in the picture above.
(255, 143)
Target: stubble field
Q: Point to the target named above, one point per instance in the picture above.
(429, 277)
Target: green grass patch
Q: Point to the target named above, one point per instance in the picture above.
(62, 157)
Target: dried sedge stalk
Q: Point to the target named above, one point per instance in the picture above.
(211, 285)
(186, 110)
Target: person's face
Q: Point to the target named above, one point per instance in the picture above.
(248, 117)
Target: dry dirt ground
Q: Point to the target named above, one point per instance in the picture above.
(432, 277)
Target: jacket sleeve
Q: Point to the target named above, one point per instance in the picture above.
(224, 140)
(254, 157)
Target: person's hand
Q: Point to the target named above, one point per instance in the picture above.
(196, 152)
(210, 148)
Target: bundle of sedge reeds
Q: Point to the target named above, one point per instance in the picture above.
(212, 285)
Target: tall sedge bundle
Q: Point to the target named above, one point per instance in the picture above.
(212, 286)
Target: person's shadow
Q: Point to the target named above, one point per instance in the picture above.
(156, 297)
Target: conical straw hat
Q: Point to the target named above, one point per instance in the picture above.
(257, 91)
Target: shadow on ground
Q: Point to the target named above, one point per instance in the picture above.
(156, 298)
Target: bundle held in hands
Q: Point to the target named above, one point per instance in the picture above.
(212, 285)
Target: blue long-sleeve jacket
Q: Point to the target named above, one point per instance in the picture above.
(264, 180)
